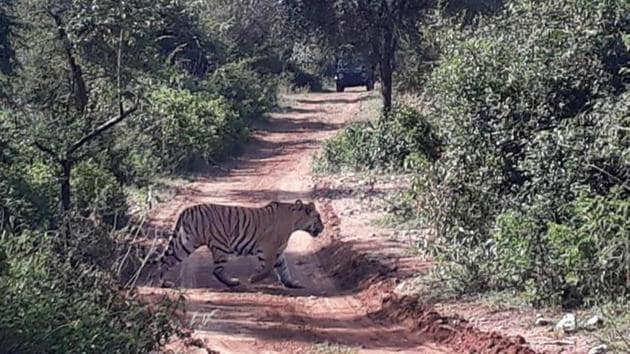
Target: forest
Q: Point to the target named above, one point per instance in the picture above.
(511, 117)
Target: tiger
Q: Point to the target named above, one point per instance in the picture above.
(235, 230)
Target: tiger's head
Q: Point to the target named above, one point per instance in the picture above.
(307, 218)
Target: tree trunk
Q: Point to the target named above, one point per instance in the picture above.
(66, 168)
(386, 86)
(387, 55)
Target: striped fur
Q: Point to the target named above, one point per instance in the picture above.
(263, 232)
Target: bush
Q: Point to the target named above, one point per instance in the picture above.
(188, 128)
(530, 114)
(584, 258)
(250, 93)
(396, 142)
(134, 158)
(54, 299)
(194, 129)
(96, 192)
(28, 195)
(4, 266)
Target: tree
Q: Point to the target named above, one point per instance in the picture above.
(249, 29)
(67, 92)
(372, 27)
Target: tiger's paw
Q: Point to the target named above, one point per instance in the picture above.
(292, 285)
(230, 282)
(166, 284)
(256, 278)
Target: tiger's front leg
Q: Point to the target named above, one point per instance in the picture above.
(283, 274)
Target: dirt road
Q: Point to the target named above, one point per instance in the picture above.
(342, 302)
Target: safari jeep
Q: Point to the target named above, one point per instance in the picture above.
(351, 72)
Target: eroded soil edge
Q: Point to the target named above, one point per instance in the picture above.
(374, 284)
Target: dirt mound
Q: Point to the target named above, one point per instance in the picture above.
(355, 271)
(349, 269)
(451, 331)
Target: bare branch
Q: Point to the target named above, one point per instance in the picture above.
(610, 175)
(118, 65)
(47, 150)
(77, 73)
(103, 127)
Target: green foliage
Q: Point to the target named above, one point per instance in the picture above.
(7, 53)
(372, 28)
(4, 266)
(133, 158)
(585, 257)
(28, 195)
(248, 30)
(404, 139)
(107, 93)
(193, 129)
(349, 149)
(98, 193)
(530, 114)
(66, 302)
(251, 94)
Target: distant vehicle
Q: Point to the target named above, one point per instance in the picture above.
(351, 72)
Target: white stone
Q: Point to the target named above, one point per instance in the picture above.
(594, 322)
(567, 323)
(600, 349)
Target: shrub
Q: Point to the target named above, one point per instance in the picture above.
(55, 299)
(28, 194)
(96, 192)
(134, 158)
(584, 258)
(250, 93)
(193, 129)
(395, 142)
(3, 262)
(349, 149)
(302, 79)
(187, 128)
(530, 114)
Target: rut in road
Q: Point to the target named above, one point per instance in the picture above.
(266, 317)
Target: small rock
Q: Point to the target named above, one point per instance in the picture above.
(594, 322)
(567, 324)
(599, 349)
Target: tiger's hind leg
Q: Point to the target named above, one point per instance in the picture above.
(282, 272)
(220, 258)
(264, 270)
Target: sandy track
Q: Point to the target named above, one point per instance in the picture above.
(267, 318)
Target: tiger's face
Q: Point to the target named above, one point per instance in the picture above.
(308, 218)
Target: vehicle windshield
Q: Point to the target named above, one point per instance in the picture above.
(351, 63)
